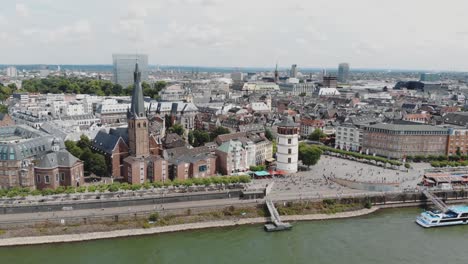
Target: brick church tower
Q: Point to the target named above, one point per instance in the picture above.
(137, 121)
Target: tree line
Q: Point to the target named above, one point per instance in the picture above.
(60, 84)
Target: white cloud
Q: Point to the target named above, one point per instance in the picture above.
(22, 10)
(318, 33)
(77, 31)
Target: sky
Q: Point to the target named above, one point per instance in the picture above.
(397, 34)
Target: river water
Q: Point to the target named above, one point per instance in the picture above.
(388, 236)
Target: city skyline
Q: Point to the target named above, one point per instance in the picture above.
(210, 33)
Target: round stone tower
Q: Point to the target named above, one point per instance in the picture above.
(288, 145)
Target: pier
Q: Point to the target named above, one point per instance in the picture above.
(277, 225)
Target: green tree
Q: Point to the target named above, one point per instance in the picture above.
(219, 131)
(309, 155)
(317, 135)
(3, 109)
(73, 149)
(84, 142)
(200, 138)
(178, 129)
(190, 138)
(268, 134)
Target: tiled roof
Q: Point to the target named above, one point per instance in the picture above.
(57, 159)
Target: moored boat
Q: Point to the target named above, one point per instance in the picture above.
(454, 215)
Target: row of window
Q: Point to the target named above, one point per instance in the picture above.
(47, 178)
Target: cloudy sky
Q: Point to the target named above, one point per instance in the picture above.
(404, 34)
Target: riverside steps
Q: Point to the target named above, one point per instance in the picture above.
(277, 225)
(435, 200)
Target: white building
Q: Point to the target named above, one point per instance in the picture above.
(288, 145)
(348, 137)
(11, 72)
(174, 92)
(260, 86)
(328, 92)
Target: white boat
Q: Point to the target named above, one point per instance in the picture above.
(455, 215)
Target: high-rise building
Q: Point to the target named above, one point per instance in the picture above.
(11, 72)
(329, 81)
(287, 154)
(293, 73)
(124, 65)
(343, 72)
(430, 77)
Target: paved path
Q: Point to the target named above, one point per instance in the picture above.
(122, 210)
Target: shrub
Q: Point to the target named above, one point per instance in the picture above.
(176, 182)
(81, 189)
(157, 184)
(60, 189)
(92, 188)
(368, 204)
(147, 185)
(153, 217)
(113, 187)
(206, 181)
(35, 193)
(187, 183)
(125, 186)
(328, 202)
(46, 192)
(244, 179)
(407, 165)
(135, 187)
(70, 190)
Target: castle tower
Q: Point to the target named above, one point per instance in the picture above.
(288, 145)
(138, 135)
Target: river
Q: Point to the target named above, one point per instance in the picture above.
(388, 236)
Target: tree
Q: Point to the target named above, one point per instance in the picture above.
(190, 138)
(268, 134)
(73, 149)
(84, 142)
(458, 151)
(317, 135)
(178, 129)
(3, 109)
(219, 131)
(302, 94)
(309, 155)
(200, 138)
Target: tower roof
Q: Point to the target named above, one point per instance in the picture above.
(287, 122)
(137, 108)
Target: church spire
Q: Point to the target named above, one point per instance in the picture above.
(137, 108)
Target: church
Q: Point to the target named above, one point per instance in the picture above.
(133, 152)
(137, 153)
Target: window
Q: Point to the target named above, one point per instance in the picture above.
(62, 176)
(289, 160)
(289, 141)
(38, 178)
(202, 168)
(289, 151)
(46, 178)
(57, 177)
